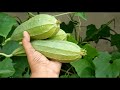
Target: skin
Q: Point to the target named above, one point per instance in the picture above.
(40, 66)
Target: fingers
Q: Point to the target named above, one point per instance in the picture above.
(27, 45)
(32, 54)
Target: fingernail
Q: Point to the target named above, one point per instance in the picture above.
(24, 33)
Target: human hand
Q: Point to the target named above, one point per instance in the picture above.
(40, 66)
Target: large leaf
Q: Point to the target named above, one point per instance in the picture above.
(10, 46)
(85, 67)
(6, 68)
(81, 15)
(105, 66)
(88, 73)
(6, 24)
(80, 65)
(20, 66)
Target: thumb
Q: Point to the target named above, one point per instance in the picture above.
(27, 45)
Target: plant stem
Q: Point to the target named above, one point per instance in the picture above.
(62, 14)
(106, 39)
(114, 31)
(66, 71)
(6, 41)
(3, 54)
(79, 28)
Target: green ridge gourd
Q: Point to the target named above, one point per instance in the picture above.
(61, 35)
(40, 26)
(62, 51)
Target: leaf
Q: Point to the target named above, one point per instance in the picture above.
(91, 51)
(10, 46)
(80, 65)
(105, 67)
(104, 31)
(68, 28)
(115, 40)
(21, 64)
(88, 73)
(115, 55)
(81, 15)
(85, 67)
(91, 34)
(6, 68)
(6, 24)
(70, 38)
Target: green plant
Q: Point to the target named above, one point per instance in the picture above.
(95, 64)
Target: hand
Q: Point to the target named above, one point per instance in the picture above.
(40, 66)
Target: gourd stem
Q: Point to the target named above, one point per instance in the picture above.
(3, 54)
(83, 52)
(6, 41)
(62, 14)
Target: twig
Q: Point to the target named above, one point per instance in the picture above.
(114, 31)
(66, 71)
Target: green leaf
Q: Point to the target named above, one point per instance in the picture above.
(91, 51)
(81, 15)
(21, 63)
(91, 34)
(104, 31)
(68, 28)
(88, 73)
(6, 68)
(70, 38)
(105, 67)
(115, 40)
(10, 46)
(85, 67)
(115, 55)
(6, 24)
(80, 65)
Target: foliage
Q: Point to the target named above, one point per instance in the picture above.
(94, 65)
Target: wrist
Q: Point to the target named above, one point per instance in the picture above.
(44, 74)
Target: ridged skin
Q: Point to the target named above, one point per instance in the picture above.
(62, 51)
(43, 26)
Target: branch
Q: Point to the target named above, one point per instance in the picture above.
(105, 39)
